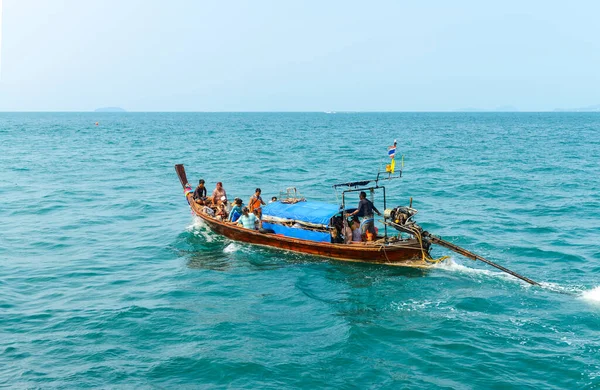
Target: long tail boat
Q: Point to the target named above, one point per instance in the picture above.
(301, 226)
(313, 219)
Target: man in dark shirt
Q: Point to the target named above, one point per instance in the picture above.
(365, 209)
(200, 193)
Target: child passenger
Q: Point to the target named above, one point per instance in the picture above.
(222, 210)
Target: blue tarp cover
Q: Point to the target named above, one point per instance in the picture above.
(312, 212)
(298, 233)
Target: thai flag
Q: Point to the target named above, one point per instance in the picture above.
(392, 151)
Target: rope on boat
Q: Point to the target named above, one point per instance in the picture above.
(424, 254)
(385, 253)
(426, 257)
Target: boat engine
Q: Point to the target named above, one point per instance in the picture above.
(400, 218)
(400, 215)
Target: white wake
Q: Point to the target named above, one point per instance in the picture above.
(451, 265)
(591, 296)
(232, 247)
(199, 228)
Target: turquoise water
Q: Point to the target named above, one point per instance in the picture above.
(106, 280)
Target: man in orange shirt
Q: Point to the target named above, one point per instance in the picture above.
(255, 204)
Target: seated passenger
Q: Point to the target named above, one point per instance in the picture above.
(248, 220)
(226, 205)
(273, 200)
(200, 193)
(356, 232)
(347, 232)
(218, 193)
(222, 210)
(336, 238)
(236, 210)
(372, 236)
(256, 203)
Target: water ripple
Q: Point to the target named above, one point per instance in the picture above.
(107, 280)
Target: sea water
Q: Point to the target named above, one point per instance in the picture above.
(107, 280)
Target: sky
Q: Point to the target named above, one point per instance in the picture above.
(74, 55)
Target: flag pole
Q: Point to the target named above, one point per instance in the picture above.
(392, 165)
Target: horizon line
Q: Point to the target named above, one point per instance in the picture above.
(291, 112)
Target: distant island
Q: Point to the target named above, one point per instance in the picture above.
(497, 109)
(594, 108)
(110, 109)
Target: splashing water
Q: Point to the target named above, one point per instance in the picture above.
(233, 247)
(199, 228)
(170, 303)
(453, 266)
(554, 287)
(592, 295)
(197, 224)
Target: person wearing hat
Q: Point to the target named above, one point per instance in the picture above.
(256, 202)
(200, 193)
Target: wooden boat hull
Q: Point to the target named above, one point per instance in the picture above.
(407, 252)
(410, 254)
